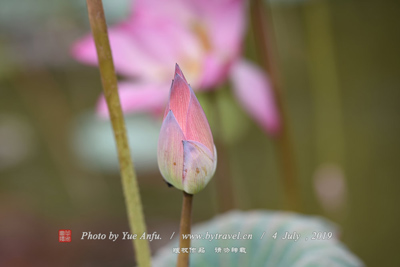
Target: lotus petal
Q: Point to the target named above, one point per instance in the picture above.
(179, 100)
(170, 151)
(254, 93)
(197, 128)
(137, 97)
(199, 166)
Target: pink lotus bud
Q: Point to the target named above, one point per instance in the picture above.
(187, 157)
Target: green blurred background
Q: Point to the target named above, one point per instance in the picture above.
(340, 64)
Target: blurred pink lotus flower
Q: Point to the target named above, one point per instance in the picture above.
(187, 157)
(203, 36)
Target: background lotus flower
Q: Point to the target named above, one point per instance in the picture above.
(262, 249)
(204, 37)
(186, 153)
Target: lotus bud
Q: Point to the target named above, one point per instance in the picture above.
(186, 154)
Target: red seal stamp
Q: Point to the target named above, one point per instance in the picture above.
(64, 235)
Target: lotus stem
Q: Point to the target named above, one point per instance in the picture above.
(186, 223)
(265, 40)
(330, 141)
(110, 87)
(224, 182)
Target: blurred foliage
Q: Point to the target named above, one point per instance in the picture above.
(40, 11)
(43, 92)
(227, 120)
(95, 145)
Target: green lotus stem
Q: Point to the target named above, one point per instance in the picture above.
(265, 40)
(330, 141)
(186, 223)
(109, 81)
(224, 182)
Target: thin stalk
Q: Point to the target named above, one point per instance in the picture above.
(224, 181)
(325, 84)
(109, 81)
(45, 96)
(265, 41)
(186, 222)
